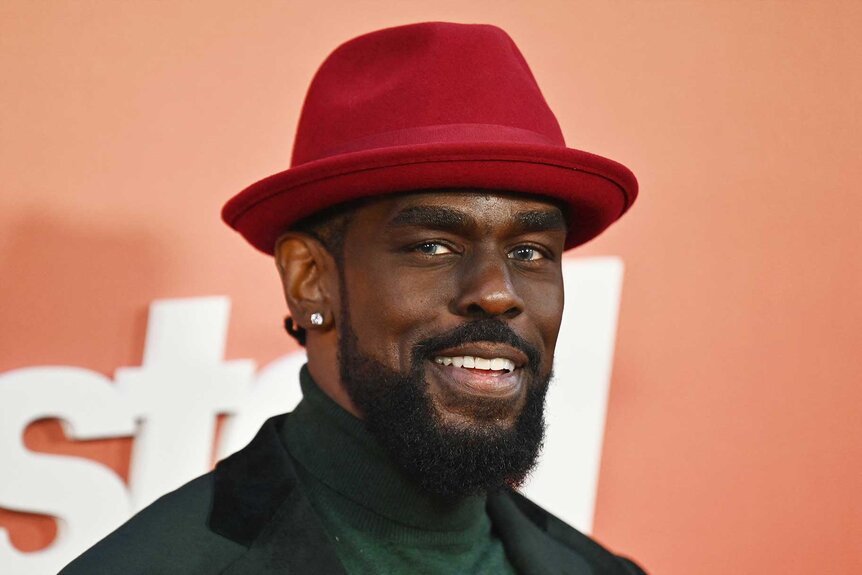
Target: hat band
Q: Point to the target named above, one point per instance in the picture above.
(443, 134)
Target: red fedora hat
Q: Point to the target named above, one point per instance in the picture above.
(423, 107)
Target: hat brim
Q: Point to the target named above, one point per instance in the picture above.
(595, 190)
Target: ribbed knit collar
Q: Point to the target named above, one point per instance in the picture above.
(336, 448)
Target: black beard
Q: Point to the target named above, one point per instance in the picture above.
(446, 460)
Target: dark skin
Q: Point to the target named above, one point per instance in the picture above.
(419, 265)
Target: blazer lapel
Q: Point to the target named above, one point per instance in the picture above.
(293, 542)
(538, 543)
(527, 546)
(258, 502)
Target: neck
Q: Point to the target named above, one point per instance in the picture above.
(322, 350)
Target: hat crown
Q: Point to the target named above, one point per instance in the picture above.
(426, 107)
(423, 84)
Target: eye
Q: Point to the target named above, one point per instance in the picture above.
(526, 254)
(432, 249)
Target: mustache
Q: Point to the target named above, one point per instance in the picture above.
(481, 330)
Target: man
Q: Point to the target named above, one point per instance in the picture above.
(419, 235)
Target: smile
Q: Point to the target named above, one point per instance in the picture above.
(497, 378)
(481, 363)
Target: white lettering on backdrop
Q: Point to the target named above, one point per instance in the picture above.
(170, 404)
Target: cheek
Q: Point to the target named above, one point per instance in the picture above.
(544, 304)
(391, 312)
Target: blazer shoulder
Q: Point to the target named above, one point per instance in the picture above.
(595, 553)
(169, 536)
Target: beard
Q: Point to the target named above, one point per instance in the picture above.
(445, 459)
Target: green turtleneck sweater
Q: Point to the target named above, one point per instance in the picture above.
(378, 519)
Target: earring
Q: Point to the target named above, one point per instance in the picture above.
(317, 318)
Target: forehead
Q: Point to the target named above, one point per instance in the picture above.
(464, 207)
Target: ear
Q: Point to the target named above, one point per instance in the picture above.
(307, 275)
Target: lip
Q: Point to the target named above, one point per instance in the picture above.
(476, 382)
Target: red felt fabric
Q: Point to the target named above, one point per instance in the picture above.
(429, 106)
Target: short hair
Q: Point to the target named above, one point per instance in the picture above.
(328, 227)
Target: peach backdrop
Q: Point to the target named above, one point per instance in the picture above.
(734, 435)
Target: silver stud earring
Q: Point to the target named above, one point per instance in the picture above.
(317, 318)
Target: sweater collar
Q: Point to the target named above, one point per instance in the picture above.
(338, 450)
(257, 503)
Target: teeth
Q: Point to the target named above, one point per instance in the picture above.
(497, 363)
(492, 364)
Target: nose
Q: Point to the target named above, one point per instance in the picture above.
(486, 289)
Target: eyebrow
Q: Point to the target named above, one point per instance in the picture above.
(540, 221)
(444, 218)
(437, 217)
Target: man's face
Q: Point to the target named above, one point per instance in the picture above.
(451, 306)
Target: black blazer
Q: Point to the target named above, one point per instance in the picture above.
(250, 516)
